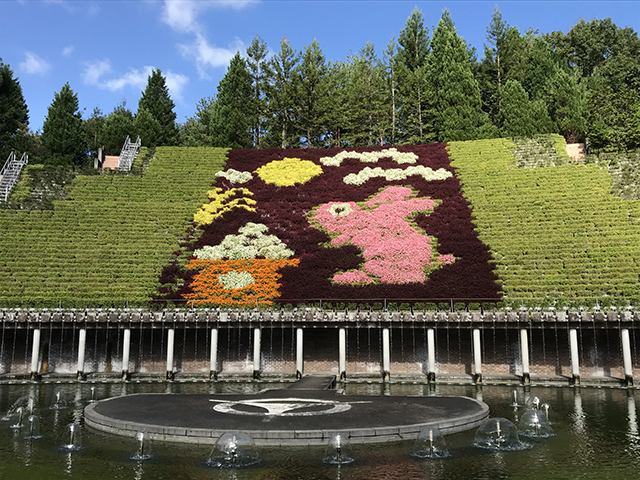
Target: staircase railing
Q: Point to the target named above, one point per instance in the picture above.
(10, 173)
(128, 153)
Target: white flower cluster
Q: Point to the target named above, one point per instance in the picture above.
(340, 210)
(370, 157)
(251, 243)
(235, 176)
(396, 174)
(235, 279)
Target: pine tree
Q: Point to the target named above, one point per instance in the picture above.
(415, 122)
(13, 114)
(339, 111)
(63, 139)
(504, 59)
(156, 100)
(115, 129)
(566, 99)
(147, 127)
(311, 95)
(391, 67)
(516, 111)
(614, 123)
(541, 65)
(196, 131)
(365, 93)
(231, 113)
(456, 95)
(260, 76)
(93, 131)
(281, 95)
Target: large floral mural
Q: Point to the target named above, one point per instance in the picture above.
(302, 225)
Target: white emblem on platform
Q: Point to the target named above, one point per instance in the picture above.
(282, 407)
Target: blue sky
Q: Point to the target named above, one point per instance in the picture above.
(106, 49)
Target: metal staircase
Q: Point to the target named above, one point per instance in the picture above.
(10, 173)
(128, 154)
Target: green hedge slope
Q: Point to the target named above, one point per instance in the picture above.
(557, 234)
(106, 243)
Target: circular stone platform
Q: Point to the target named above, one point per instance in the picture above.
(283, 417)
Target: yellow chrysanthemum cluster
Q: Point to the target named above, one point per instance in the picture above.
(288, 171)
(221, 203)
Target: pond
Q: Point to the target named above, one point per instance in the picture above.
(597, 436)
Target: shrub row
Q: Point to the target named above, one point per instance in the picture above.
(555, 233)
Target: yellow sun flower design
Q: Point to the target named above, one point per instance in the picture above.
(288, 171)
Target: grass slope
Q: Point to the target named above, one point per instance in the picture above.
(557, 234)
(107, 242)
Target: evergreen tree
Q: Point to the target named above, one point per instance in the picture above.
(566, 101)
(311, 95)
(196, 131)
(339, 114)
(518, 116)
(115, 129)
(365, 92)
(541, 65)
(415, 121)
(147, 127)
(281, 97)
(14, 115)
(392, 101)
(456, 95)
(156, 100)
(93, 131)
(63, 138)
(504, 59)
(231, 113)
(260, 76)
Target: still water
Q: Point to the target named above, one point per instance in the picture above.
(597, 437)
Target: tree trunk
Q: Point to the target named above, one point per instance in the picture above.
(420, 113)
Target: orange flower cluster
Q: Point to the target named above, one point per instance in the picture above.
(208, 290)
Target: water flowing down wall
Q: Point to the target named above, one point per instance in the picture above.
(267, 343)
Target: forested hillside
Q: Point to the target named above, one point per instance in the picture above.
(426, 85)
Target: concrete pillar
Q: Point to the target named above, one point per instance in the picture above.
(256, 353)
(342, 352)
(386, 355)
(171, 334)
(82, 341)
(626, 357)
(213, 358)
(431, 352)
(524, 355)
(35, 354)
(126, 349)
(299, 353)
(477, 355)
(575, 359)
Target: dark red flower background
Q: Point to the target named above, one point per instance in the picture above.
(285, 210)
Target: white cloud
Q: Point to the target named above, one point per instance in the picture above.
(134, 78)
(63, 4)
(34, 64)
(94, 72)
(175, 83)
(207, 56)
(182, 15)
(68, 50)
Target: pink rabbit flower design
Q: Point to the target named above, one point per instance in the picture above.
(394, 250)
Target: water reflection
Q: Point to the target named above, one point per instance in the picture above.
(633, 438)
(597, 435)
